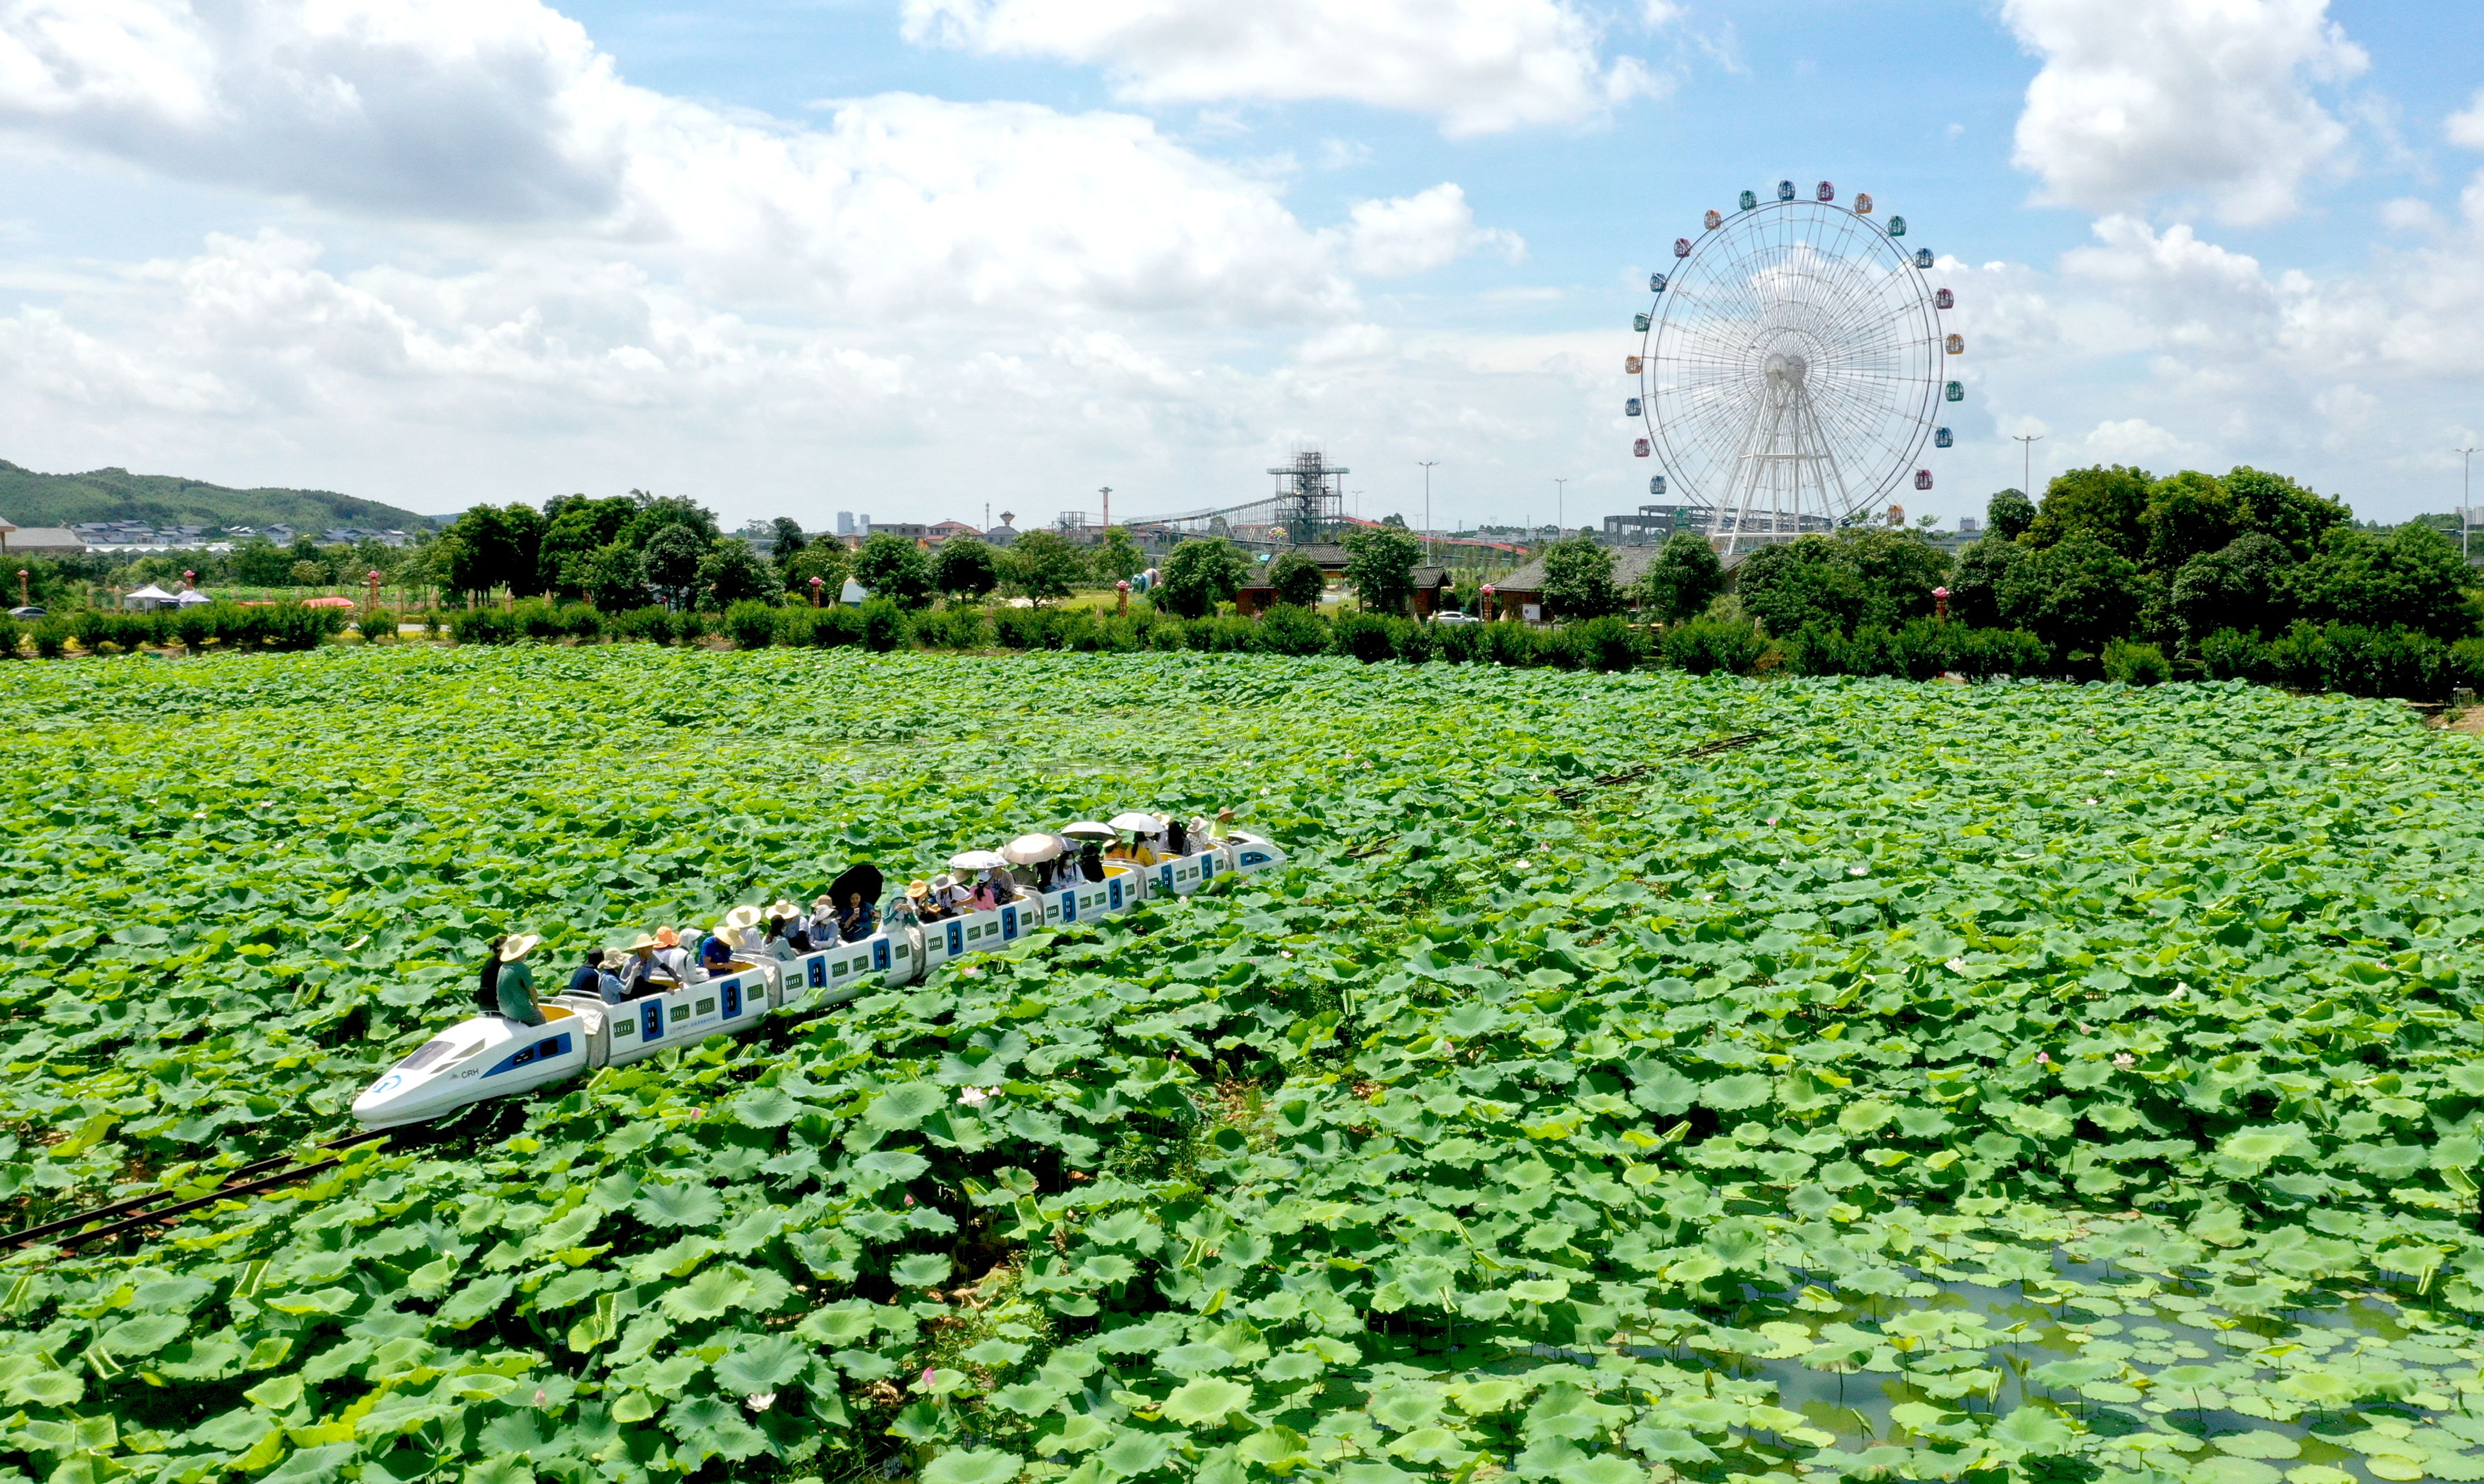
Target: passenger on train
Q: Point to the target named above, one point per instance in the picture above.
(1091, 861)
(1176, 836)
(983, 899)
(1045, 871)
(824, 921)
(952, 895)
(859, 920)
(674, 957)
(1224, 830)
(516, 983)
(642, 975)
(609, 987)
(581, 979)
(787, 925)
(487, 984)
(928, 903)
(715, 954)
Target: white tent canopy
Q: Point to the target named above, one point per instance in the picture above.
(148, 597)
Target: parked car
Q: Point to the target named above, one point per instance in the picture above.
(1453, 616)
(30, 611)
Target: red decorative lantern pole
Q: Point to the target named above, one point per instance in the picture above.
(189, 581)
(1122, 596)
(22, 600)
(1489, 613)
(1940, 602)
(372, 585)
(816, 585)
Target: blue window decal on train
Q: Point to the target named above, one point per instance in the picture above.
(1164, 876)
(1208, 865)
(956, 939)
(1070, 907)
(651, 1020)
(531, 1053)
(732, 998)
(880, 954)
(1254, 859)
(1008, 923)
(1115, 884)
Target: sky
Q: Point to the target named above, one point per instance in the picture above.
(930, 257)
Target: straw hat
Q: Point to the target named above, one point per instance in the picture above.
(614, 959)
(642, 940)
(1225, 812)
(517, 948)
(918, 888)
(742, 917)
(667, 937)
(780, 908)
(823, 900)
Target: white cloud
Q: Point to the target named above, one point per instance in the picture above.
(2193, 96)
(1480, 66)
(502, 113)
(2133, 441)
(2468, 127)
(1429, 230)
(2409, 213)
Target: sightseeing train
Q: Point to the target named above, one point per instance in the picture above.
(492, 1056)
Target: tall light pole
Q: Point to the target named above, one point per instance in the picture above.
(1107, 492)
(1427, 507)
(1558, 493)
(2027, 441)
(2466, 494)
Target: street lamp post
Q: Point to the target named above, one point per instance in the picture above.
(1427, 506)
(1558, 490)
(2027, 443)
(2466, 494)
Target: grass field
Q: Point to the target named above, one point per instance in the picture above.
(1945, 1081)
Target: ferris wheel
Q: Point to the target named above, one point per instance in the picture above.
(1791, 368)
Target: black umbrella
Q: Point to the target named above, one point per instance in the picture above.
(864, 878)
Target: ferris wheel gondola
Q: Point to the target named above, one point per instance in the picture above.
(1792, 365)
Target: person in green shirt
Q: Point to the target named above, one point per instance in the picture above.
(517, 982)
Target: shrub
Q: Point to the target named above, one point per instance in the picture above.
(2398, 661)
(484, 626)
(2231, 654)
(1365, 636)
(1166, 633)
(11, 635)
(584, 621)
(51, 635)
(1289, 630)
(1296, 579)
(1416, 641)
(1559, 649)
(1608, 644)
(1509, 643)
(1460, 643)
(651, 624)
(2136, 665)
(883, 626)
(1705, 645)
(750, 624)
(2463, 665)
(689, 627)
(537, 619)
(373, 626)
(1982, 653)
(952, 628)
(293, 626)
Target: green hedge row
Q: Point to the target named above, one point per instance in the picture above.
(277, 625)
(2347, 657)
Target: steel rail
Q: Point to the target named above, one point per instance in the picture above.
(237, 1182)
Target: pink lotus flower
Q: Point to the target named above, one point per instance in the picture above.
(2043, 1059)
(2124, 1058)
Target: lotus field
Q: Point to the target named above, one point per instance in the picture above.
(2001, 1081)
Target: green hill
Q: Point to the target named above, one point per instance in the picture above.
(31, 499)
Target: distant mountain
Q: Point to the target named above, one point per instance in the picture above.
(31, 499)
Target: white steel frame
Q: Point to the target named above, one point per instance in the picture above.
(1792, 369)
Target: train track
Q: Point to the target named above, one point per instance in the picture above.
(136, 1213)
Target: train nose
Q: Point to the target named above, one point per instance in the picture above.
(394, 1098)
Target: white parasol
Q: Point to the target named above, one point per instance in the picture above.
(1027, 849)
(1089, 829)
(1142, 823)
(978, 860)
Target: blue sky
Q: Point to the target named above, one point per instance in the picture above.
(920, 257)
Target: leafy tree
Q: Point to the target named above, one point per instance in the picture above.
(2107, 503)
(1898, 569)
(653, 513)
(1380, 566)
(673, 554)
(307, 574)
(2008, 513)
(2243, 585)
(259, 563)
(2277, 507)
(1975, 580)
(789, 538)
(2076, 594)
(1044, 564)
(1117, 557)
(1805, 581)
(1684, 577)
(1199, 575)
(498, 545)
(964, 568)
(613, 577)
(827, 560)
(577, 526)
(2188, 515)
(889, 566)
(2413, 578)
(1578, 579)
(734, 572)
(1297, 579)
(1397, 521)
